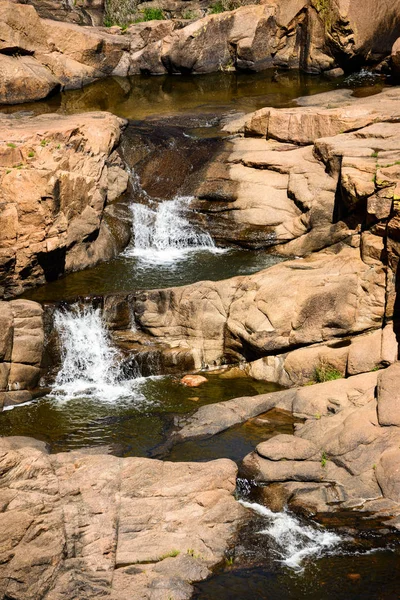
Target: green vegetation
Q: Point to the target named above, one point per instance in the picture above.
(150, 14)
(217, 8)
(188, 15)
(326, 372)
(170, 554)
(44, 143)
(229, 560)
(375, 154)
(11, 145)
(146, 14)
(31, 154)
(192, 553)
(324, 459)
(324, 9)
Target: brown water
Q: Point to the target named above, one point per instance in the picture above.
(140, 97)
(134, 425)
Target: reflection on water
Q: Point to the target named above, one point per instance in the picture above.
(130, 426)
(139, 97)
(126, 274)
(369, 575)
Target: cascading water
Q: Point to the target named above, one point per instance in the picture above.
(90, 363)
(293, 542)
(164, 233)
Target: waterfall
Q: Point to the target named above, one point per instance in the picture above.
(90, 363)
(164, 234)
(293, 542)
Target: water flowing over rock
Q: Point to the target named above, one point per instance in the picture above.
(57, 175)
(163, 233)
(88, 526)
(90, 364)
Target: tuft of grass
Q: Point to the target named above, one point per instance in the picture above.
(31, 154)
(217, 8)
(44, 143)
(170, 554)
(375, 154)
(229, 560)
(324, 459)
(11, 145)
(150, 14)
(192, 553)
(326, 372)
(188, 15)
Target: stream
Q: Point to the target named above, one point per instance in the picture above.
(93, 403)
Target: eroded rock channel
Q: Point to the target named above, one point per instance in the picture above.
(250, 239)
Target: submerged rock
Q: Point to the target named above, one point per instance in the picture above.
(193, 380)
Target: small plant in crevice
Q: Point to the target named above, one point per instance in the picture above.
(150, 14)
(11, 145)
(170, 554)
(44, 143)
(192, 553)
(326, 372)
(31, 154)
(217, 8)
(324, 459)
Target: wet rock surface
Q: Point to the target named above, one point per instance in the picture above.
(81, 525)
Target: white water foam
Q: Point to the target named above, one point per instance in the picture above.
(90, 363)
(164, 234)
(293, 541)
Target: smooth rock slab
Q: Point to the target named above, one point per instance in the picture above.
(80, 526)
(286, 447)
(389, 396)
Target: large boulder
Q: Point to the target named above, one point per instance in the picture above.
(54, 190)
(103, 526)
(39, 56)
(337, 294)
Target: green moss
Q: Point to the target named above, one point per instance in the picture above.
(324, 9)
(11, 145)
(31, 154)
